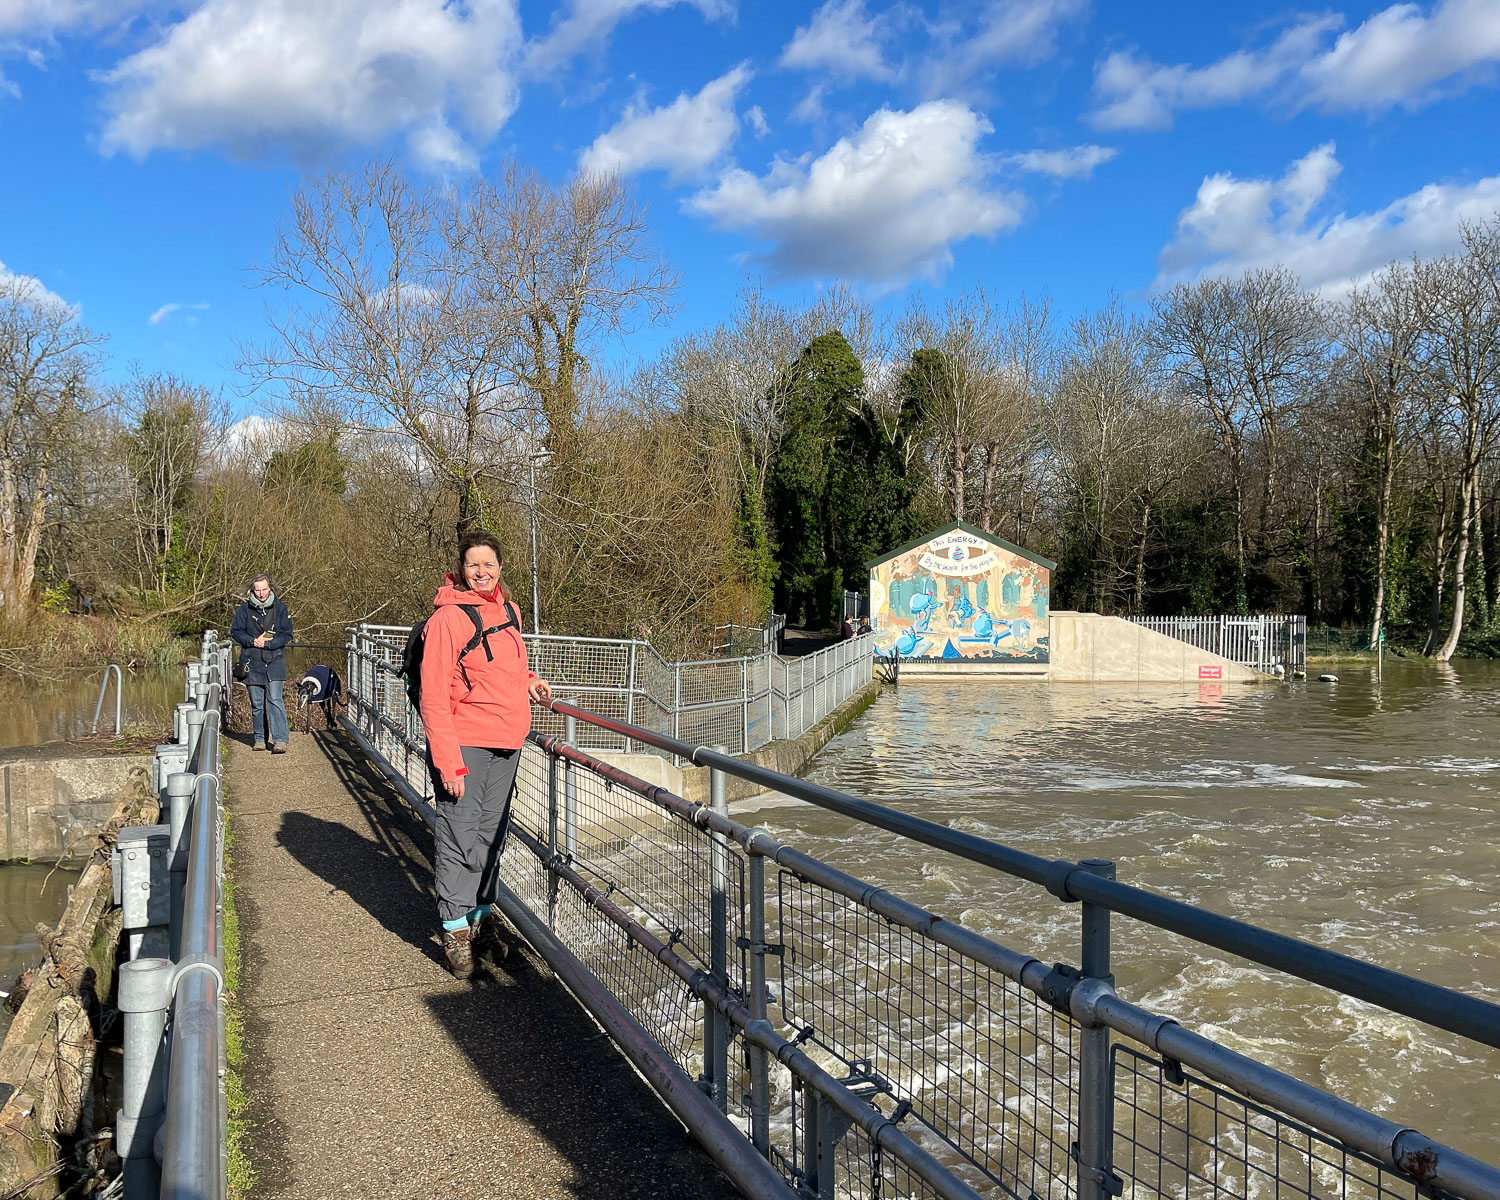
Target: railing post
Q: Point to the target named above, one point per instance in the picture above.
(554, 880)
(715, 1028)
(760, 1079)
(745, 706)
(180, 802)
(570, 791)
(630, 695)
(145, 991)
(1096, 1098)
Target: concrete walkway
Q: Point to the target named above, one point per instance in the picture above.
(372, 1071)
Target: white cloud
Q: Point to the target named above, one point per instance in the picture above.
(684, 138)
(839, 39)
(588, 24)
(757, 118)
(1007, 31)
(166, 310)
(30, 287)
(1075, 163)
(810, 108)
(45, 17)
(1135, 93)
(1400, 55)
(257, 75)
(1235, 225)
(882, 206)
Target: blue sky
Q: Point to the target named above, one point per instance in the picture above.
(147, 149)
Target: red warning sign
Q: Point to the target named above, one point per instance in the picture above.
(1210, 672)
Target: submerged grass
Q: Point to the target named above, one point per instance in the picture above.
(241, 1171)
(54, 641)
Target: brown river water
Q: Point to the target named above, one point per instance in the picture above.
(42, 711)
(1362, 817)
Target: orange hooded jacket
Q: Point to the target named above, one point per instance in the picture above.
(493, 708)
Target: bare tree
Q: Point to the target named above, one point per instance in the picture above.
(46, 362)
(1459, 298)
(1380, 330)
(459, 315)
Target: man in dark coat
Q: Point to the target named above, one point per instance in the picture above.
(262, 626)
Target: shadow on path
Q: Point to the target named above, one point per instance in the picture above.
(549, 1067)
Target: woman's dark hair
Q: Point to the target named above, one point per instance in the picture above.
(467, 543)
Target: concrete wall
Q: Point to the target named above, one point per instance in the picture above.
(1088, 648)
(55, 798)
(787, 756)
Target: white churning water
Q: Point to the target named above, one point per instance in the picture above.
(1360, 817)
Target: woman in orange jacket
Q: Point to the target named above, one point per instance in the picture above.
(476, 709)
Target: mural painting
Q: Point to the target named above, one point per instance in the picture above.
(961, 594)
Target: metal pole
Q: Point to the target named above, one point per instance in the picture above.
(716, 1029)
(630, 695)
(145, 991)
(536, 619)
(760, 1079)
(194, 720)
(179, 802)
(745, 705)
(570, 792)
(553, 879)
(1096, 1101)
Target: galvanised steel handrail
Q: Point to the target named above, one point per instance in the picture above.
(1440, 1007)
(174, 1070)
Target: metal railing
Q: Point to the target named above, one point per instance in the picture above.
(738, 641)
(1263, 642)
(169, 882)
(112, 669)
(742, 703)
(867, 1047)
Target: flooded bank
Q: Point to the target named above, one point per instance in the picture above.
(1359, 816)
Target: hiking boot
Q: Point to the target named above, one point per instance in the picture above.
(278, 747)
(459, 952)
(257, 745)
(489, 941)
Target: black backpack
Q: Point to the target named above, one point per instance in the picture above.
(411, 656)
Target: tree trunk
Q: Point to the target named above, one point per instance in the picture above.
(960, 469)
(1382, 531)
(1138, 602)
(1461, 553)
(8, 548)
(25, 577)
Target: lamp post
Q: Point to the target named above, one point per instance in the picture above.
(536, 620)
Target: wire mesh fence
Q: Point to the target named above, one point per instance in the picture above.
(869, 1048)
(740, 703)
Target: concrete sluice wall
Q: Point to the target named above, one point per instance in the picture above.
(51, 1103)
(1089, 648)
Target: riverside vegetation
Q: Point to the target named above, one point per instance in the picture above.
(439, 359)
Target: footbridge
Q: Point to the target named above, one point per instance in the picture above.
(817, 1035)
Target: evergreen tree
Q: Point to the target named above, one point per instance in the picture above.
(826, 392)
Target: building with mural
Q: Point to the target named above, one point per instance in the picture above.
(960, 594)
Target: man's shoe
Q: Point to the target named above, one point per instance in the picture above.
(257, 745)
(459, 951)
(490, 943)
(278, 747)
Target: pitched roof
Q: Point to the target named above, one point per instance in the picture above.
(969, 529)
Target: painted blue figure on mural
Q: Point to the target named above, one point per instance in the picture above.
(963, 610)
(909, 643)
(923, 605)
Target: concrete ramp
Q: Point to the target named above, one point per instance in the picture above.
(1088, 648)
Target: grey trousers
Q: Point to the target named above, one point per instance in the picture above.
(470, 833)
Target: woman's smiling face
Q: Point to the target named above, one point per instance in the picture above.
(481, 568)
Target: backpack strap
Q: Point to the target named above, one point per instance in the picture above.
(482, 635)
